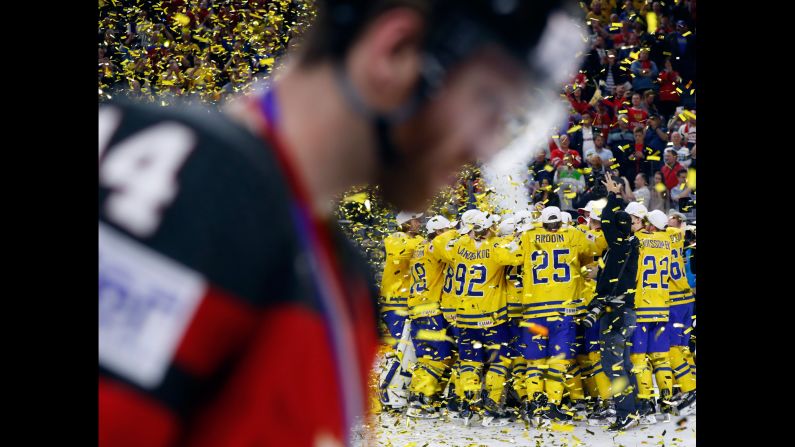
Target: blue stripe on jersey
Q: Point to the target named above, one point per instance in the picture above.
(498, 311)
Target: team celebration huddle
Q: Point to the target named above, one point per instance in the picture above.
(541, 317)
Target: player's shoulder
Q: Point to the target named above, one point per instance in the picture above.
(210, 129)
(674, 231)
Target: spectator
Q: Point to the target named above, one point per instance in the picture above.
(688, 131)
(544, 194)
(540, 167)
(682, 152)
(649, 102)
(595, 164)
(597, 57)
(659, 198)
(669, 97)
(603, 120)
(620, 141)
(632, 45)
(619, 102)
(637, 116)
(570, 182)
(565, 153)
(655, 139)
(637, 158)
(611, 74)
(628, 11)
(681, 44)
(656, 136)
(683, 197)
(645, 72)
(598, 14)
(599, 150)
(692, 158)
(641, 193)
(582, 140)
(576, 100)
(671, 169)
(623, 37)
(620, 135)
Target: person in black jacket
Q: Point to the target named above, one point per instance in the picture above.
(613, 308)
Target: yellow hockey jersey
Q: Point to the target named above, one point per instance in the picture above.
(514, 290)
(654, 266)
(396, 280)
(679, 292)
(427, 274)
(479, 280)
(552, 261)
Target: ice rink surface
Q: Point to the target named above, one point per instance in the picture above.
(400, 431)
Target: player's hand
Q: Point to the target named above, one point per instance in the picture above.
(610, 184)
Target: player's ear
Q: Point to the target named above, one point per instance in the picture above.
(385, 62)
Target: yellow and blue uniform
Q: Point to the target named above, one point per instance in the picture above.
(551, 262)
(429, 331)
(651, 337)
(514, 295)
(681, 314)
(396, 281)
(588, 367)
(479, 283)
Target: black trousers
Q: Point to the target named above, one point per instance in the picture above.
(616, 328)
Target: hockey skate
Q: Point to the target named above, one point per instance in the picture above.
(555, 412)
(646, 412)
(601, 414)
(666, 407)
(420, 407)
(687, 404)
(494, 415)
(624, 423)
(532, 410)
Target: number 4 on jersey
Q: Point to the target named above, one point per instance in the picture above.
(141, 171)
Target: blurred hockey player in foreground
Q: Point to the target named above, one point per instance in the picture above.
(224, 285)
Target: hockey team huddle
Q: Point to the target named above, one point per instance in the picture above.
(494, 317)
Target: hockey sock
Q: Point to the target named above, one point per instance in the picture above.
(553, 383)
(662, 371)
(534, 378)
(601, 381)
(518, 376)
(640, 368)
(495, 378)
(683, 373)
(574, 381)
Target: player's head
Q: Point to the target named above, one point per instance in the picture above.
(437, 225)
(434, 82)
(584, 212)
(656, 220)
(566, 217)
(409, 222)
(507, 226)
(468, 220)
(484, 225)
(676, 219)
(551, 218)
(524, 220)
(637, 212)
(595, 216)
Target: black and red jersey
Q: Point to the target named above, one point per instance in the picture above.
(228, 315)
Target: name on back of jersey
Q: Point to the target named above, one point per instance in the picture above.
(146, 302)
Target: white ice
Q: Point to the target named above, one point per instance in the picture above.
(400, 431)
